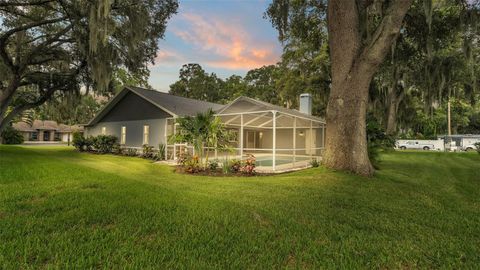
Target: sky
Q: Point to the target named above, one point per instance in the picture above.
(224, 36)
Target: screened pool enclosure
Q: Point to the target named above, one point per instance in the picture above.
(281, 139)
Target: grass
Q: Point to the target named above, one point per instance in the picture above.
(63, 209)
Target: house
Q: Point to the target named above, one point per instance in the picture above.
(280, 138)
(46, 131)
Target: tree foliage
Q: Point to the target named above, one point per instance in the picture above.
(205, 130)
(50, 46)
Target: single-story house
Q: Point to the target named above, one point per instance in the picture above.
(280, 138)
(43, 131)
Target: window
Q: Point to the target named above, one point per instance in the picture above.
(146, 131)
(123, 137)
(34, 136)
(104, 130)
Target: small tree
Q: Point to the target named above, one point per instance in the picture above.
(201, 131)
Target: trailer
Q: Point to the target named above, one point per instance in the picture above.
(461, 142)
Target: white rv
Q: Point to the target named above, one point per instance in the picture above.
(462, 142)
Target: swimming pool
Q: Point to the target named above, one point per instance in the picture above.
(268, 160)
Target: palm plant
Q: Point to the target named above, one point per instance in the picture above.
(205, 130)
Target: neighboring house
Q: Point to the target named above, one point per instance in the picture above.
(42, 131)
(280, 138)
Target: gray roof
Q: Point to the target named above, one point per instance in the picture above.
(45, 125)
(173, 105)
(180, 106)
(272, 107)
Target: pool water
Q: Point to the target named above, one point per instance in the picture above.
(268, 161)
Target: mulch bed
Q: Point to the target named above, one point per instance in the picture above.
(218, 173)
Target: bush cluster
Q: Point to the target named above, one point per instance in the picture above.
(104, 144)
(11, 136)
(191, 164)
(314, 163)
(477, 145)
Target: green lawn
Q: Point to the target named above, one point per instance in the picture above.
(63, 209)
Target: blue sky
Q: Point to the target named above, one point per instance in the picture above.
(223, 36)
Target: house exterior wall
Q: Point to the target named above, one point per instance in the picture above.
(132, 112)
(65, 137)
(134, 134)
(26, 136)
(284, 139)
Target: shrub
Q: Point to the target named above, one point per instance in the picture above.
(105, 143)
(147, 151)
(117, 149)
(477, 145)
(314, 163)
(131, 152)
(161, 151)
(192, 165)
(183, 157)
(78, 141)
(249, 165)
(213, 165)
(234, 166)
(88, 143)
(11, 136)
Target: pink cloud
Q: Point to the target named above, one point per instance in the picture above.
(231, 44)
(167, 56)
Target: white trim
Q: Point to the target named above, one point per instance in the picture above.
(275, 112)
(294, 139)
(274, 144)
(238, 113)
(241, 135)
(311, 139)
(256, 118)
(231, 120)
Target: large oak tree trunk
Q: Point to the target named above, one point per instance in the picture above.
(346, 127)
(354, 63)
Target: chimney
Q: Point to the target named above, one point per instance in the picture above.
(306, 103)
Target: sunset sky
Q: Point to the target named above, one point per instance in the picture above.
(223, 36)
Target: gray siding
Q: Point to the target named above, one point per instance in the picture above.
(134, 134)
(132, 107)
(133, 112)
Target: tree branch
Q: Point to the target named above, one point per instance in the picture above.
(10, 3)
(5, 36)
(387, 31)
(10, 32)
(47, 42)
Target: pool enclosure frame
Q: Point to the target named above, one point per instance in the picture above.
(306, 142)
